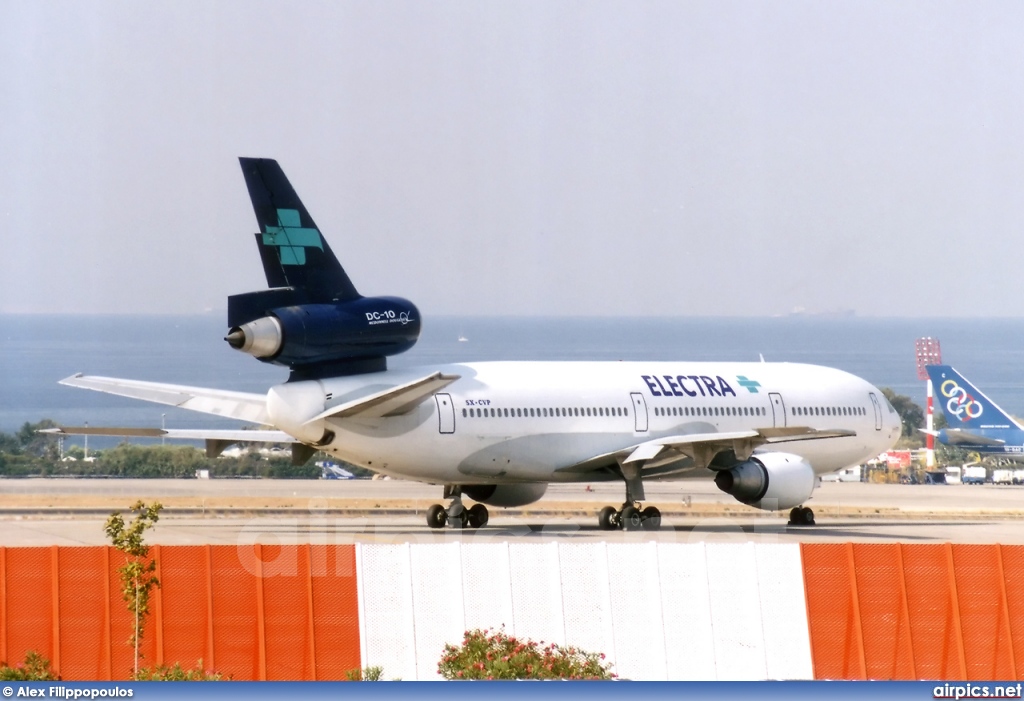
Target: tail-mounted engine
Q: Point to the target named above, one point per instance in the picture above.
(770, 481)
(312, 319)
(336, 338)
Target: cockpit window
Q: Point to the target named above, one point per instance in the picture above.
(887, 404)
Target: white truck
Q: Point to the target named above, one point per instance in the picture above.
(1002, 476)
(974, 474)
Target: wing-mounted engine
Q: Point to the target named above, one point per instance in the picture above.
(312, 320)
(770, 481)
(505, 494)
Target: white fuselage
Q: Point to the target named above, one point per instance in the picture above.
(506, 422)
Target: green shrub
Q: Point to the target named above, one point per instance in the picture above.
(368, 674)
(36, 668)
(495, 655)
(175, 673)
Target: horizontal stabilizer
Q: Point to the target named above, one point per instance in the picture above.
(234, 405)
(956, 436)
(187, 434)
(394, 401)
(216, 440)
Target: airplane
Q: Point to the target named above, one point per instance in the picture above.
(500, 432)
(975, 422)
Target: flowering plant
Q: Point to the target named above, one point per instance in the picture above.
(486, 654)
(35, 668)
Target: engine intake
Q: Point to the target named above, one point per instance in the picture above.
(262, 338)
(770, 481)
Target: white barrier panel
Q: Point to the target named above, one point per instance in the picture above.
(657, 610)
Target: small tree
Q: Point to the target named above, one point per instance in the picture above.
(911, 415)
(137, 572)
(487, 655)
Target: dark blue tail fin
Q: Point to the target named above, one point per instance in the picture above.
(294, 252)
(964, 405)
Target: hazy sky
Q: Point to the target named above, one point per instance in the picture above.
(598, 158)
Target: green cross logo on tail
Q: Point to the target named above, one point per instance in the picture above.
(291, 238)
(751, 385)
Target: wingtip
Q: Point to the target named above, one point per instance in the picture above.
(70, 379)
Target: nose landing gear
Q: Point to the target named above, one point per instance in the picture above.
(456, 515)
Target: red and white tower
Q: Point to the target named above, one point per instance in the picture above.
(928, 353)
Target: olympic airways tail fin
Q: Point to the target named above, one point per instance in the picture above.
(964, 405)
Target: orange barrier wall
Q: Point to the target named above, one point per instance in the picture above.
(898, 611)
(298, 621)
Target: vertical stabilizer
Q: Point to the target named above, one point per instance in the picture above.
(294, 252)
(964, 405)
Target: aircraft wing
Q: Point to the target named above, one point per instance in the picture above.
(701, 448)
(393, 401)
(235, 405)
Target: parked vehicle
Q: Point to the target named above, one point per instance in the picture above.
(974, 474)
(1002, 476)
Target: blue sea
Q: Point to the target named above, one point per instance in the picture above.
(37, 351)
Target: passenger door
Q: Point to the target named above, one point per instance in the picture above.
(640, 411)
(445, 412)
(878, 411)
(778, 409)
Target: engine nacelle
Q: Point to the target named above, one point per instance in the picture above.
(505, 494)
(310, 334)
(770, 481)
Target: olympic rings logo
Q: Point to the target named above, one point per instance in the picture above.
(960, 403)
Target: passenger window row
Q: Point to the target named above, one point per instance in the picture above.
(710, 411)
(495, 412)
(829, 411)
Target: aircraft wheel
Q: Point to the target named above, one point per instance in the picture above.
(630, 518)
(651, 518)
(801, 516)
(436, 516)
(477, 516)
(606, 520)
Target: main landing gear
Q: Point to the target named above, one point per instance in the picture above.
(801, 516)
(630, 517)
(456, 515)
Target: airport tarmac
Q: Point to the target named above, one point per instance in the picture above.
(41, 512)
